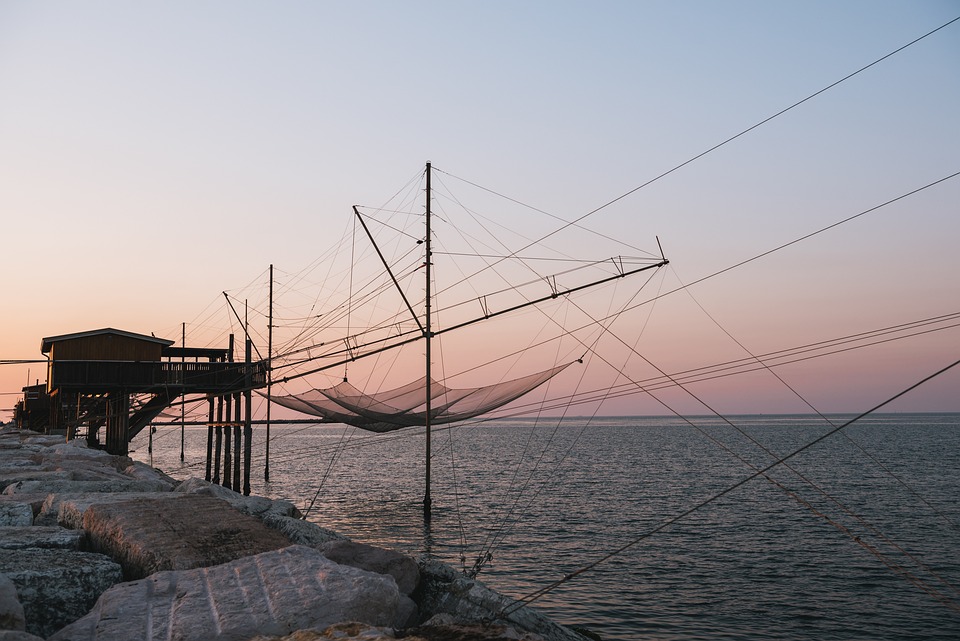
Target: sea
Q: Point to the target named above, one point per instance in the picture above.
(651, 527)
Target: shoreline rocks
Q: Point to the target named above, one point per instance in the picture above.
(96, 547)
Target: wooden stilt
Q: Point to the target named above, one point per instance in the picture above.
(208, 470)
(219, 441)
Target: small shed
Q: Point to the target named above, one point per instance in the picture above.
(106, 344)
(102, 359)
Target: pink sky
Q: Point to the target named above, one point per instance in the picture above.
(156, 156)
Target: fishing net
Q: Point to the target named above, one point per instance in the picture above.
(406, 406)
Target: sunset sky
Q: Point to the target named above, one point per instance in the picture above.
(154, 155)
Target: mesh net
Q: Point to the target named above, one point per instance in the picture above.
(406, 406)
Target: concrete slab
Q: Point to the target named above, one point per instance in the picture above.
(175, 532)
(274, 593)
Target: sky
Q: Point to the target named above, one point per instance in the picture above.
(154, 155)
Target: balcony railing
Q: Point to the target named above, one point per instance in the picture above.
(191, 377)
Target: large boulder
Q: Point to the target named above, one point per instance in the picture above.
(11, 611)
(401, 567)
(258, 506)
(302, 532)
(443, 590)
(52, 486)
(270, 594)
(67, 508)
(57, 538)
(15, 514)
(57, 587)
(175, 532)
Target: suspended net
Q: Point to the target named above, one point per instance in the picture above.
(406, 406)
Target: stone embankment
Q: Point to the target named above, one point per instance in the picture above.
(96, 547)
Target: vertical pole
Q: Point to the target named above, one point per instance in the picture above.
(237, 432)
(228, 402)
(219, 443)
(247, 423)
(427, 501)
(227, 435)
(266, 461)
(237, 444)
(183, 395)
(208, 469)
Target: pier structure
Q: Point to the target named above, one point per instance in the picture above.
(117, 382)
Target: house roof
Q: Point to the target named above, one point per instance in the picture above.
(46, 343)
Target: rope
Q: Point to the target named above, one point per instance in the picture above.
(579, 219)
(533, 596)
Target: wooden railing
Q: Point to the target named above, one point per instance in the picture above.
(190, 377)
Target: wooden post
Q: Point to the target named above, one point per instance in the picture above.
(219, 443)
(427, 501)
(236, 445)
(208, 469)
(228, 401)
(183, 397)
(247, 423)
(227, 436)
(266, 459)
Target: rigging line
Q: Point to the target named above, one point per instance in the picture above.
(805, 478)
(495, 237)
(819, 231)
(792, 242)
(700, 505)
(242, 324)
(872, 549)
(762, 122)
(546, 213)
(566, 292)
(390, 271)
(657, 383)
(486, 549)
(388, 226)
(576, 221)
(353, 249)
(333, 459)
(889, 472)
(453, 462)
(500, 534)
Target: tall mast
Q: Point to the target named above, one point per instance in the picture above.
(266, 464)
(427, 335)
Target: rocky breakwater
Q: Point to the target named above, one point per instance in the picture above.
(96, 547)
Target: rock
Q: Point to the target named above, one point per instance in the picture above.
(257, 506)
(175, 532)
(452, 631)
(16, 514)
(302, 532)
(273, 593)
(53, 486)
(10, 480)
(11, 612)
(17, 635)
(144, 472)
(20, 538)
(348, 631)
(444, 590)
(35, 501)
(67, 509)
(401, 567)
(57, 587)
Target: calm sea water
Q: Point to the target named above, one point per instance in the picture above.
(861, 540)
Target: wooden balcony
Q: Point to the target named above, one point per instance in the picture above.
(154, 376)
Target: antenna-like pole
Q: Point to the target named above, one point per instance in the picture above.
(183, 370)
(427, 335)
(266, 464)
